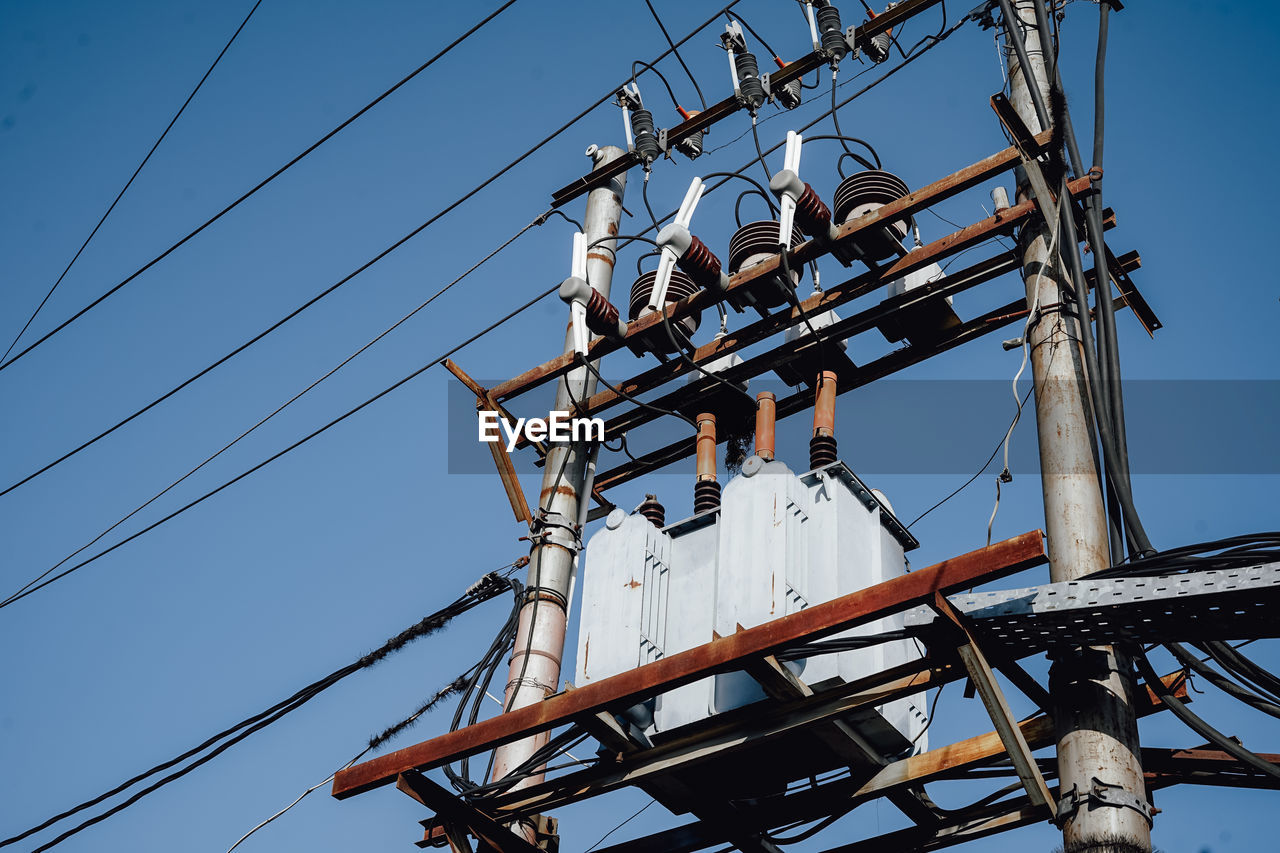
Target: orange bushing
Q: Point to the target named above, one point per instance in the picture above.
(706, 446)
(766, 417)
(824, 407)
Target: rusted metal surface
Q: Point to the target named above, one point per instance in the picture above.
(913, 202)
(878, 369)
(620, 691)
(1204, 767)
(943, 762)
(453, 809)
(1006, 726)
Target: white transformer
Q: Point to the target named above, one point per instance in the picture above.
(779, 542)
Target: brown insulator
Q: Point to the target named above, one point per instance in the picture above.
(812, 214)
(822, 451)
(865, 192)
(680, 287)
(756, 242)
(654, 511)
(706, 495)
(766, 418)
(824, 404)
(706, 447)
(700, 264)
(602, 315)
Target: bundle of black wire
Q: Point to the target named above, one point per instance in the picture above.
(488, 587)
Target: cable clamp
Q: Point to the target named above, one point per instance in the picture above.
(1094, 174)
(1102, 794)
(555, 529)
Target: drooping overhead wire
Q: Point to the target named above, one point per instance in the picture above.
(676, 53)
(277, 173)
(397, 244)
(440, 292)
(129, 182)
(272, 458)
(486, 588)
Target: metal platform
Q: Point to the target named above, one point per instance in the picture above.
(969, 636)
(1236, 604)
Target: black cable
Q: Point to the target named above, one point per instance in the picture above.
(129, 182)
(976, 475)
(488, 587)
(759, 188)
(1198, 725)
(1070, 252)
(625, 822)
(755, 135)
(676, 53)
(674, 101)
(1243, 667)
(644, 193)
(536, 221)
(343, 281)
(264, 182)
(624, 395)
(1222, 682)
(772, 53)
(314, 433)
(843, 138)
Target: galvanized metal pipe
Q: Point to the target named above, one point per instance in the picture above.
(534, 671)
(766, 422)
(1092, 690)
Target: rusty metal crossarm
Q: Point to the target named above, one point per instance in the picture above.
(940, 763)
(619, 691)
(456, 811)
(909, 204)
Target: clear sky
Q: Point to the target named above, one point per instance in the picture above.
(315, 559)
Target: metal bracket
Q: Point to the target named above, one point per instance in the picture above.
(1101, 794)
(556, 529)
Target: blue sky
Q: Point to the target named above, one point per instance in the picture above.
(315, 559)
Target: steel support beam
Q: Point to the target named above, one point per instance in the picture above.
(620, 691)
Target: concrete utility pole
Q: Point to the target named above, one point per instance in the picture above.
(1099, 762)
(539, 643)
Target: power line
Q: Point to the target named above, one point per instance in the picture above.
(537, 221)
(129, 182)
(157, 401)
(308, 437)
(277, 173)
(486, 588)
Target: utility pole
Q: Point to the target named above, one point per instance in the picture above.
(539, 644)
(1104, 805)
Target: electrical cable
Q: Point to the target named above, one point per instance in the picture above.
(537, 221)
(313, 434)
(674, 101)
(342, 281)
(1222, 682)
(1198, 725)
(619, 826)
(756, 137)
(772, 53)
(129, 182)
(975, 476)
(488, 587)
(115, 288)
(676, 53)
